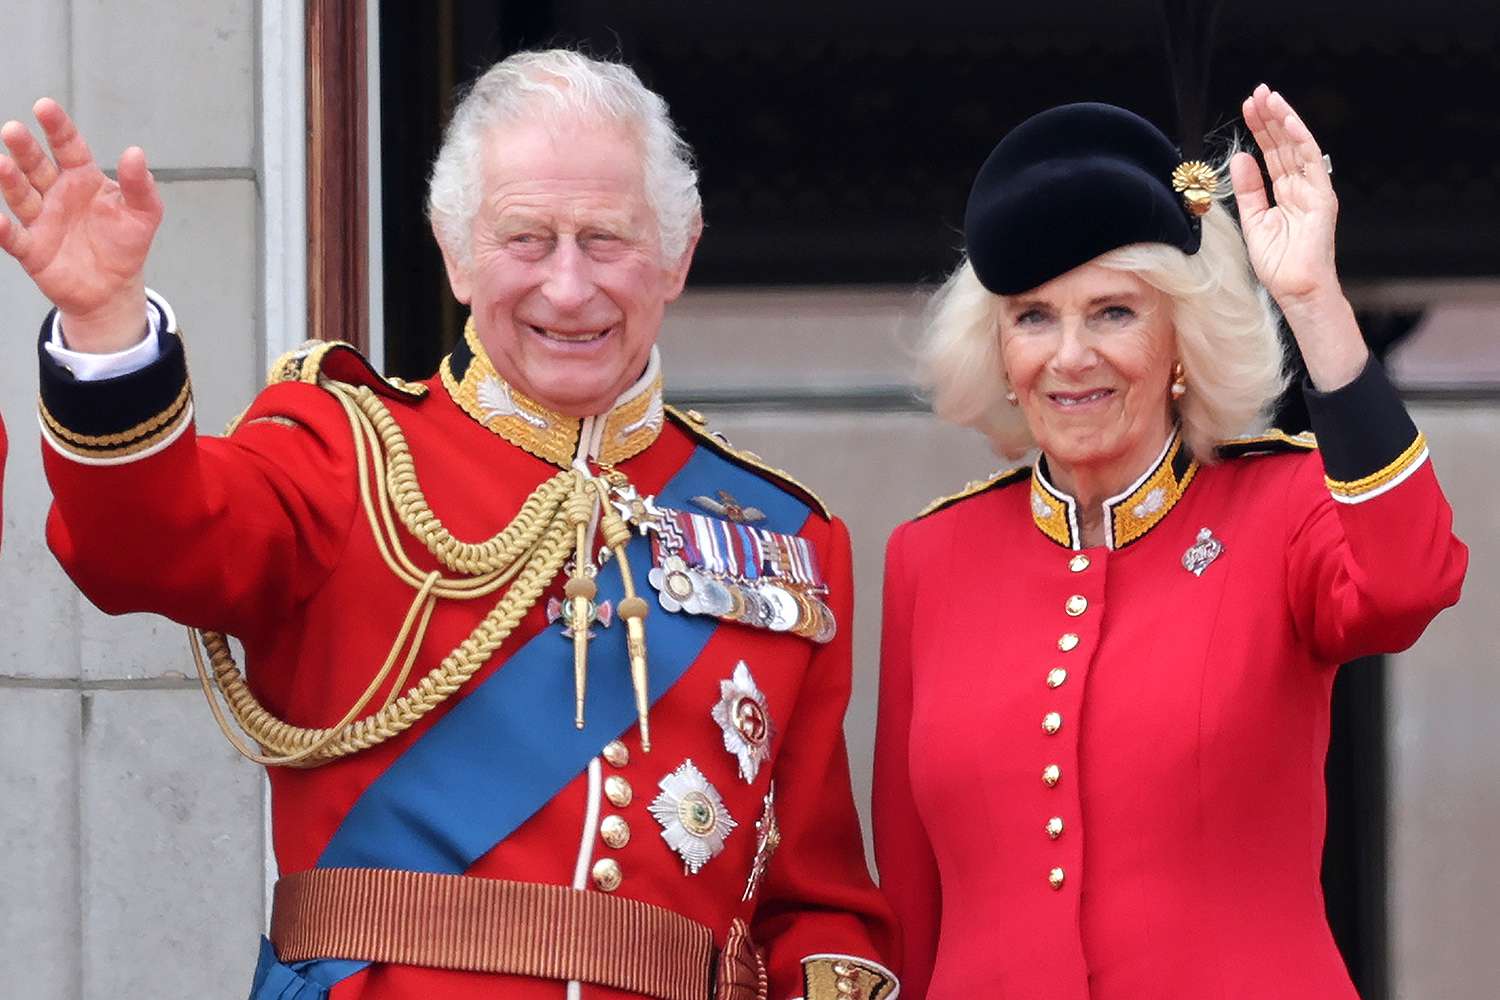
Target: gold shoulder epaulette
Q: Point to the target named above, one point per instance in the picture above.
(1272, 442)
(1002, 478)
(334, 359)
(697, 425)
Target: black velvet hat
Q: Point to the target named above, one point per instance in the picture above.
(1071, 183)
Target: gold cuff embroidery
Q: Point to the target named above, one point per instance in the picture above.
(1376, 480)
(144, 435)
(844, 977)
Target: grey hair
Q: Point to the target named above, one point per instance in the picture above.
(562, 82)
(1225, 323)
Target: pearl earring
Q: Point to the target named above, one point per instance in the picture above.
(1179, 381)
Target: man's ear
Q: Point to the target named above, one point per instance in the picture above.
(679, 271)
(459, 277)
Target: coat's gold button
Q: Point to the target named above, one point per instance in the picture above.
(1078, 563)
(1056, 677)
(617, 753)
(1051, 775)
(1077, 605)
(1055, 827)
(1051, 723)
(615, 831)
(607, 874)
(1055, 878)
(618, 791)
(1068, 642)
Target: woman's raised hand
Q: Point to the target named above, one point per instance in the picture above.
(81, 236)
(1291, 240)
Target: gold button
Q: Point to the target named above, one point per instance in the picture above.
(1051, 775)
(1056, 677)
(607, 875)
(615, 831)
(1051, 723)
(1078, 563)
(1055, 878)
(1077, 605)
(617, 790)
(1068, 642)
(617, 753)
(1055, 827)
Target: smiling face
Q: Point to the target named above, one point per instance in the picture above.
(565, 279)
(1089, 356)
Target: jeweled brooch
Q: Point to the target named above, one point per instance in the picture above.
(1202, 552)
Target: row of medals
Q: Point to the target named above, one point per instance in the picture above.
(769, 604)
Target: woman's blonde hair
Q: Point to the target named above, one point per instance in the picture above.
(1225, 323)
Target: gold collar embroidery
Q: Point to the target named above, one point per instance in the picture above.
(629, 428)
(1128, 516)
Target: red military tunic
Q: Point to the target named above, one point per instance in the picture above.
(261, 534)
(1099, 772)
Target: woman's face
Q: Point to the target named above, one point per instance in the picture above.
(1089, 356)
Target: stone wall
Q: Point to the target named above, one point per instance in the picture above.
(132, 862)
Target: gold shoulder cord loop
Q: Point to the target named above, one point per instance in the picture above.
(526, 555)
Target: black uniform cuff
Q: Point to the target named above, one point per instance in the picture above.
(114, 418)
(1364, 433)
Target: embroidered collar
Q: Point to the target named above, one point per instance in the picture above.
(629, 428)
(1128, 516)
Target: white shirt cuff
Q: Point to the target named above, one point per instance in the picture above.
(97, 367)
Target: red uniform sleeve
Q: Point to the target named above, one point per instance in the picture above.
(223, 533)
(1372, 555)
(908, 870)
(818, 898)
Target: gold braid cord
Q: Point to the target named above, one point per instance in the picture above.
(526, 555)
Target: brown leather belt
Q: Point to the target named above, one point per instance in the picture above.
(491, 925)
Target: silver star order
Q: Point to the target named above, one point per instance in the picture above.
(636, 509)
(693, 819)
(745, 717)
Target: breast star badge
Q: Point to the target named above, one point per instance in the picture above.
(745, 717)
(694, 821)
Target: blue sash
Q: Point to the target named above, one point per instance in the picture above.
(509, 745)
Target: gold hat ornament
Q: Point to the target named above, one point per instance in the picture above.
(1197, 183)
